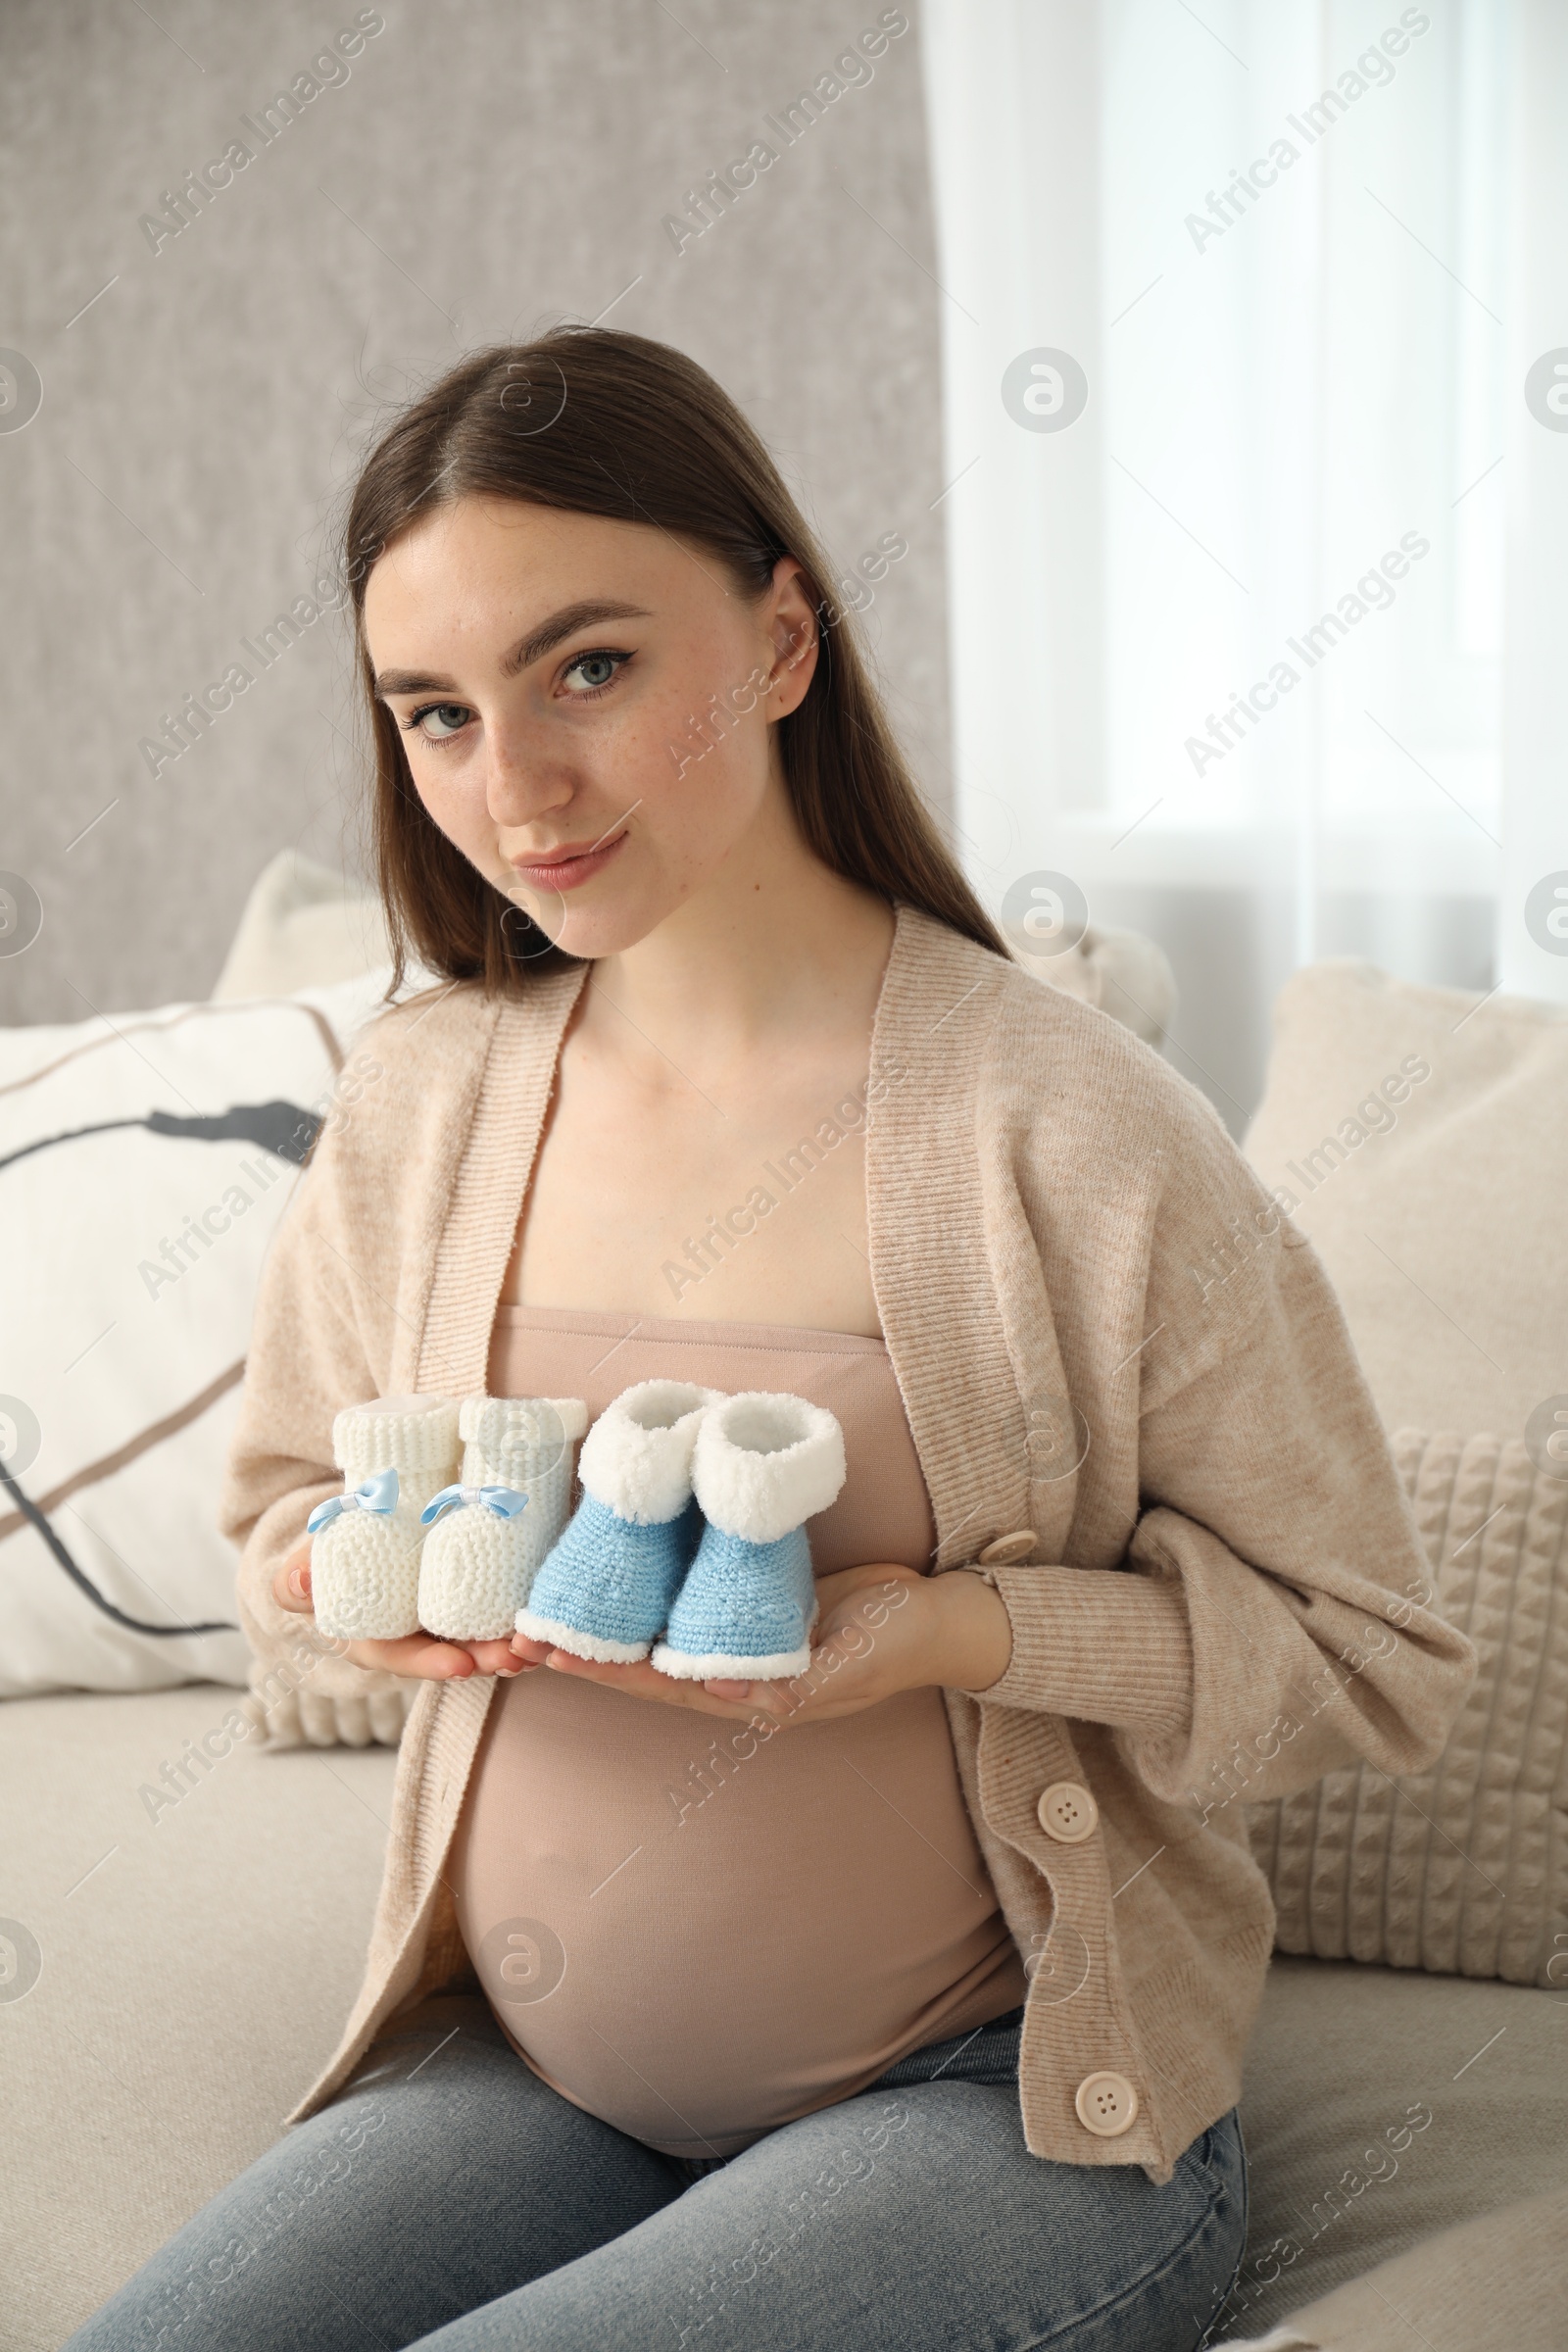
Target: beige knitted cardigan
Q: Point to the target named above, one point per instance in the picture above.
(1100, 1336)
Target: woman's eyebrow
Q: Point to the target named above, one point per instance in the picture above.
(548, 633)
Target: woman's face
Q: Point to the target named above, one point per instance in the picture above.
(587, 708)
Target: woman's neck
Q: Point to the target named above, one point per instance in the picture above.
(774, 943)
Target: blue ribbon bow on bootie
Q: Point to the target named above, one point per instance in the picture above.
(378, 1494)
(505, 1501)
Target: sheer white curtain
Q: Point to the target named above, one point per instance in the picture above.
(1240, 647)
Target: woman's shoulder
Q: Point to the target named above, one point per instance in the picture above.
(418, 1046)
(415, 1068)
(1044, 1060)
(1112, 1153)
(449, 1026)
(447, 1009)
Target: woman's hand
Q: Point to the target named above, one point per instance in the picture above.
(418, 1654)
(881, 1630)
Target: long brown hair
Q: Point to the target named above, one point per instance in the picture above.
(598, 423)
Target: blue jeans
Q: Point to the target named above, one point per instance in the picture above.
(448, 2198)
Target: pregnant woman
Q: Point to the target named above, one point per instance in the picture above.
(902, 2004)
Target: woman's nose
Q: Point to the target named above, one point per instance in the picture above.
(524, 781)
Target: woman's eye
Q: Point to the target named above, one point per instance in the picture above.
(591, 673)
(439, 721)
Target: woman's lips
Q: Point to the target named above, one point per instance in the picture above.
(565, 868)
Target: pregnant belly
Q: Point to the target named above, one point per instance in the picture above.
(698, 1932)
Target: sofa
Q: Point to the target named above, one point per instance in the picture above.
(178, 1844)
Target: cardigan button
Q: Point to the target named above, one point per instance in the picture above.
(1008, 1549)
(1107, 2104)
(1068, 1813)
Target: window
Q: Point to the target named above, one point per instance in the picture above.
(1249, 512)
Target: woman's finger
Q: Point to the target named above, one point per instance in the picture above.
(838, 1587)
(642, 1681)
(291, 1586)
(496, 1657)
(832, 1684)
(417, 1655)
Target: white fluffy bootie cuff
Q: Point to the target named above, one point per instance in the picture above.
(765, 1463)
(637, 1458)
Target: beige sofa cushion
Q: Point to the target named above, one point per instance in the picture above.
(198, 1957)
(138, 2079)
(1463, 1868)
(1435, 1200)
(1501, 2279)
(1120, 972)
(300, 927)
(1381, 2108)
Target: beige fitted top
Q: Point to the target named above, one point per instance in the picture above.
(694, 1933)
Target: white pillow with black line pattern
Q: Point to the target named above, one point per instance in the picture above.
(145, 1159)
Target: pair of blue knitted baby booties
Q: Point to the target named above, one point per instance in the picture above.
(689, 1544)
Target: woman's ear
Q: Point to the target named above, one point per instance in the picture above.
(793, 628)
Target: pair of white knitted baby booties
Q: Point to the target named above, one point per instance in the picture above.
(503, 1464)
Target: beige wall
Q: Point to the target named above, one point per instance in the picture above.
(485, 170)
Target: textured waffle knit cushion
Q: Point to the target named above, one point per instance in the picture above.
(1463, 1868)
